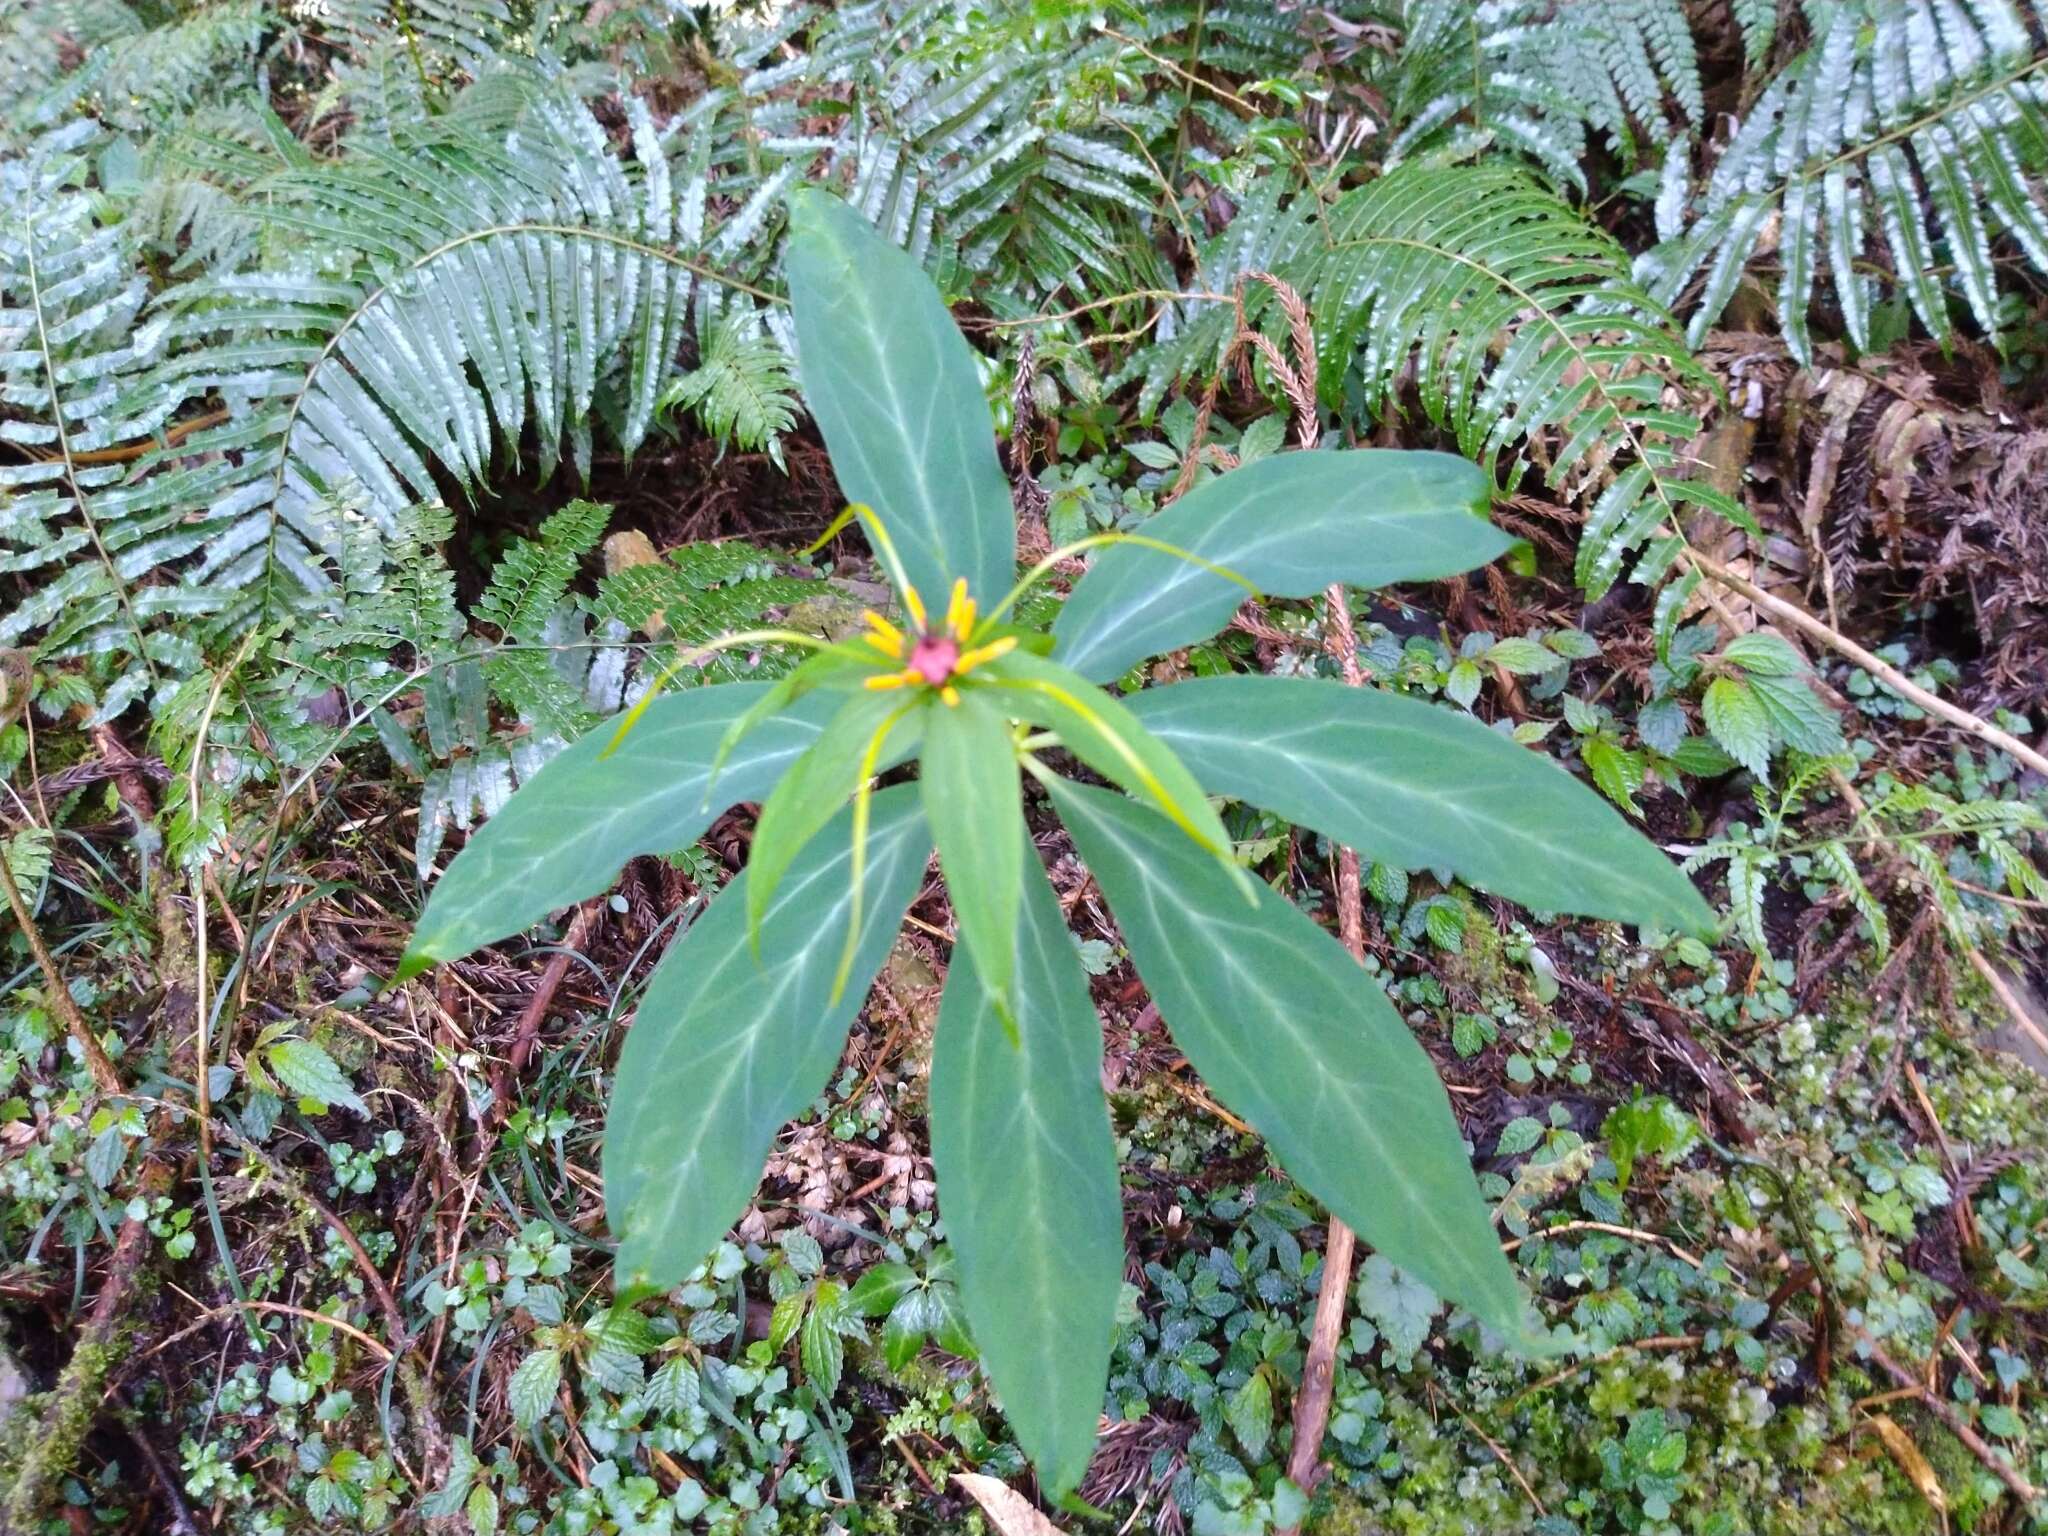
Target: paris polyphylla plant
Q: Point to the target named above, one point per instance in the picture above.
(745, 1019)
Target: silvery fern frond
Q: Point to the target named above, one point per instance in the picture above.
(1528, 78)
(1905, 140)
(75, 342)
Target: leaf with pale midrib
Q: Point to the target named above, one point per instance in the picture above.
(968, 777)
(724, 1051)
(1290, 525)
(1288, 1031)
(571, 828)
(1413, 785)
(1028, 1186)
(893, 386)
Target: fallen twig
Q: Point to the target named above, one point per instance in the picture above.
(1612, 1230)
(1935, 1404)
(526, 1034)
(2011, 999)
(1971, 725)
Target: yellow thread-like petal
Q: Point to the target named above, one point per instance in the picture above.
(886, 636)
(891, 680)
(950, 694)
(915, 604)
(969, 660)
(954, 602)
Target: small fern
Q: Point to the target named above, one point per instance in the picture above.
(1912, 127)
(741, 390)
(698, 592)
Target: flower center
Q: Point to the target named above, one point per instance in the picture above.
(933, 658)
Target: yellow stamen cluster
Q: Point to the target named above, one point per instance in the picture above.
(933, 659)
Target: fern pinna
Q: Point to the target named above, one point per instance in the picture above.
(1914, 133)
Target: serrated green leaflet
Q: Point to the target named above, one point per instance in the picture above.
(568, 832)
(723, 1051)
(1022, 1149)
(1410, 784)
(968, 777)
(894, 388)
(1287, 1031)
(815, 787)
(1290, 524)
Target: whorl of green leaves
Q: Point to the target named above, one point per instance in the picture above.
(747, 1013)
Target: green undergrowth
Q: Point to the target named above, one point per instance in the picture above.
(816, 1372)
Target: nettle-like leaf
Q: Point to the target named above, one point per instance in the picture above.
(734, 1036)
(1909, 130)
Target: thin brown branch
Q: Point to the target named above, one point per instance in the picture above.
(1939, 1406)
(1971, 725)
(527, 1033)
(61, 1003)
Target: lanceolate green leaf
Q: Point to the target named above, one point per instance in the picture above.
(816, 786)
(1287, 1030)
(1104, 734)
(1027, 1174)
(894, 388)
(968, 776)
(1290, 525)
(725, 1050)
(573, 826)
(1409, 784)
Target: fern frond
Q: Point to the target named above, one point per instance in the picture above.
(1914, 129)
(698, 592)
(1835, 860)
(533, 576)
(742, 389)
(1524, 339)
(500, 285)
(126, 74)
(1530, 78)
(71, 341)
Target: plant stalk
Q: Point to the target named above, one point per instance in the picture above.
(104, 1077)
(1971, 725)
(1319, 1374)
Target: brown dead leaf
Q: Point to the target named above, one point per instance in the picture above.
(16, 675)
(1008, 1510)
(624, 550)
(1910, 1460)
